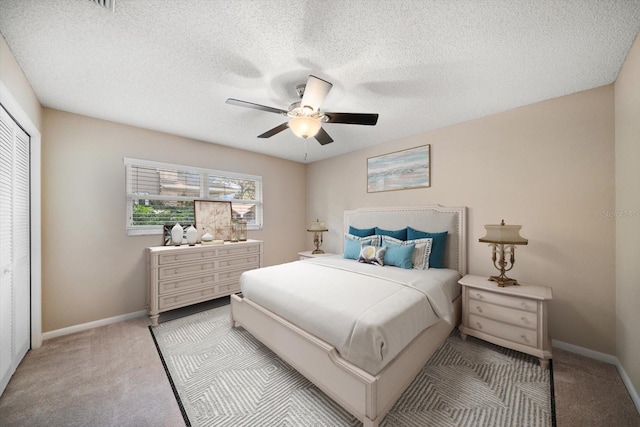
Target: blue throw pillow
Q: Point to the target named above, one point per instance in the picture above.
(362, 232)
(438, 247)
(396, 234)
(399, 255)
(353, 244)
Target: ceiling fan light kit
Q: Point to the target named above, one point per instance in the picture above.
(305, 118)
(304, 126)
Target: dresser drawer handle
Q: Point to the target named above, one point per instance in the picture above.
(479, 309)
(524, 338)
(524, 320)
(478, 325)
(479, 296)
(525, 305)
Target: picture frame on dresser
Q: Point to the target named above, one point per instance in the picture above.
(213, 216)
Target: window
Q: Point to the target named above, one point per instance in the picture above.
(162, 193)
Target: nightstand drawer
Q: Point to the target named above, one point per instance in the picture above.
(522, 318)
(503, 300)
(516, 334)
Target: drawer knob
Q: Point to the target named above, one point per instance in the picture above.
(479, 309)
(524, 338)
(478, 325)
(479, 296)
(524, 320)
(525, 305)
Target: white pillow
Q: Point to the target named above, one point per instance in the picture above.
(421, 251)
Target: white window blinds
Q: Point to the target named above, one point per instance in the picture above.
(160, 194)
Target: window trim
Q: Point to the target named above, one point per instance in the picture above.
(147, 230)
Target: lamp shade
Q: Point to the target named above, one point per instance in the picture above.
(504, 234)
(304, 126)
(317, 226)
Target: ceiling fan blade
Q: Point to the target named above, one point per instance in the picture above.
(275, 130)
(246, 104)
(314, 92)
(323, 137)
(352, 118)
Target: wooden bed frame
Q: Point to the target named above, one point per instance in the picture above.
(366, 396)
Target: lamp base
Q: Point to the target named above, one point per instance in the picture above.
(317, 251)
(503, 281)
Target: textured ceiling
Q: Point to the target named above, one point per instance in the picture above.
(169, 65)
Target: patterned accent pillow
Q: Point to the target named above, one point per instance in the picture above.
(372, 255)
(421, 252)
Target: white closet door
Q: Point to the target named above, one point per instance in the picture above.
(15, 287)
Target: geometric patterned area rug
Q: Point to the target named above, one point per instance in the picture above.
(224, 377)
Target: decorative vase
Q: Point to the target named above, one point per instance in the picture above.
(176, 234)
(234, 231)
(242, 231)
(192, 235)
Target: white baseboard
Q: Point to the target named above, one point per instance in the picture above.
(95, 324)
(603, 357)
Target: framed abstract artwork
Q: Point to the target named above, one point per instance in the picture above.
(400, 170)
(213, 217)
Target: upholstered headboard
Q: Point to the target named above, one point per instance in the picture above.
(433, 218)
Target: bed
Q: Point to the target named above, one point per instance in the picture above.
(362, 384)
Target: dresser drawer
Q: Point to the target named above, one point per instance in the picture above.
(516, 334)
(238, 250)
(166, 302)
(522, 318)
(181, 257)
(210, 279)
(186, 269)
(172, 286)
(250, 261)
(503, 300)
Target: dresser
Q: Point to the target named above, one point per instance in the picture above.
(514, 317)
(183, 275)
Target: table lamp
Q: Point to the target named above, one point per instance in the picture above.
(317, 228)
(502, 239)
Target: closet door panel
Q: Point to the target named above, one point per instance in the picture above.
(6, 247)
(15, 263)
(21, 246)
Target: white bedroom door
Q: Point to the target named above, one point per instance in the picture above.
(15, 264)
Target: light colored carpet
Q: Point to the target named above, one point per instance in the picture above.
(225, 377)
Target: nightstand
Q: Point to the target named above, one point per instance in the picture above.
(309, 254)
(514, 317)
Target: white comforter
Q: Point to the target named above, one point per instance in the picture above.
(367, 312)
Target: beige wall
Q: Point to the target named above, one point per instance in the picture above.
(547, 166)
(91, 269)
(627, 125)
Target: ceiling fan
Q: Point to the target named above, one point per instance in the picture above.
(305, 117)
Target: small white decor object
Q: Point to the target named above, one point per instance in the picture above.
(207, 237)
(176, 234)
(192, 235)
